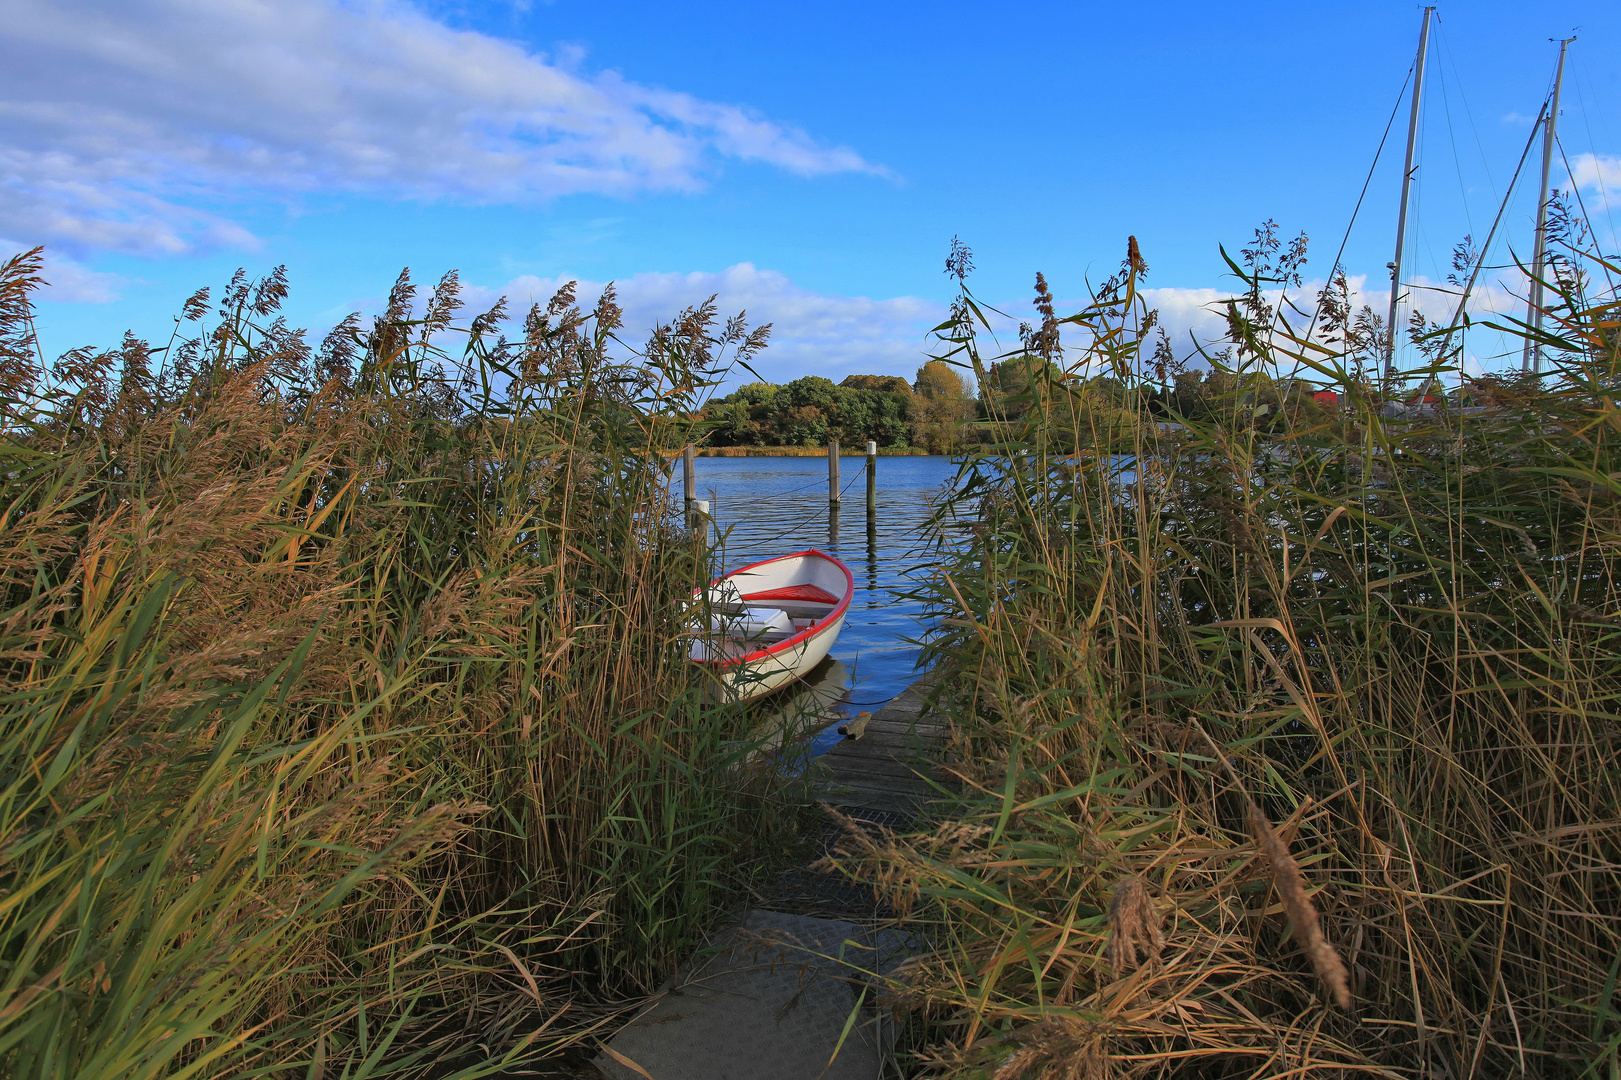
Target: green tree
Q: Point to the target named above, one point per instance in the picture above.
(814, 392)
(884, 384)
(803, 425)
(941, 408)
(810, 410)
(858, 414)
(732, 424)
(940, 381)
(755, 393)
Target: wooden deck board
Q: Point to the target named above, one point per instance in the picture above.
(896, 746)
(886, 768)
(900, 747)
(880, 766)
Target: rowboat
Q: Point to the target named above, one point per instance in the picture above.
(770, 622)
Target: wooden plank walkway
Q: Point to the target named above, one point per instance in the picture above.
(773, 998)
(769, 1001)
(887, 768)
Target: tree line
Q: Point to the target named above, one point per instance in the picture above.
(932, 412)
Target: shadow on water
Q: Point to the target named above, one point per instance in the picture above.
(801, 721)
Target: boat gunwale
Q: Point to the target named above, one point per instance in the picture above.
(815, 628)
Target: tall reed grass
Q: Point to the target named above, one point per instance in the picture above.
(1287, 744)
(345, 728)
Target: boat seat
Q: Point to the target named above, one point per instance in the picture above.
(806, 611)
(755, 622)
(796, 611)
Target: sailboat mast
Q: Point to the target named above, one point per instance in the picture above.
(1532, 360)
(1406, 190)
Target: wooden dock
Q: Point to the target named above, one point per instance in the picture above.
(890, 767)
(773, 999)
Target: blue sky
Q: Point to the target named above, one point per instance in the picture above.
(810, 162)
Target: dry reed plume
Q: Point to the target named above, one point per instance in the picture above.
(1393, 628)
(345, 732)
(1133, 924)
(1303, 920)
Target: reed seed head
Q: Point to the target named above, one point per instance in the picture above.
(1134, 922)
(1325, 959)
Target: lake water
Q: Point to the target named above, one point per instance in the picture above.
(764, 507)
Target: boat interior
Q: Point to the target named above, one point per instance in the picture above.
(748, 621)
(803, 610)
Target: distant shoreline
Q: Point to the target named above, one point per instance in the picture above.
(804, 451)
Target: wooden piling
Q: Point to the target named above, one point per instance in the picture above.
(833, 473)
(872, 477)
(689, 481)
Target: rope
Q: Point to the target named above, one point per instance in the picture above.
(790, 491)
(812, 520)
(802, 487)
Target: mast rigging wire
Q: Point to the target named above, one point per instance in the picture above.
(1452, 138)
(1598, 173)
(1486, 248)
(1485, 162)
(1340, 254)
(1571, 174)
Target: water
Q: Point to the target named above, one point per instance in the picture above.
(776, 506)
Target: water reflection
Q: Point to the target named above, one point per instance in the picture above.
(804, 717)
(872, 550)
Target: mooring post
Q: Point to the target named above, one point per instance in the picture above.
(833, 473)
(872, 477)
(689, 481)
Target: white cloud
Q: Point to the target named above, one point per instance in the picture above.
(137, 126)
(1596, 173)
(813, 333)
(66, 281)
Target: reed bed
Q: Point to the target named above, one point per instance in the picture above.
(345, 728)
(1286, 741)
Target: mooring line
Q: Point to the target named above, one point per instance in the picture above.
(812, 520)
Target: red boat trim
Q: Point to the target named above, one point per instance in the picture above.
(805, 634)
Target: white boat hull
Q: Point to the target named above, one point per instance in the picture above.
(811, 585)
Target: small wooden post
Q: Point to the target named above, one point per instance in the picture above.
(833, 473)
(854, 729)
(689, 481)
(872, 476)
